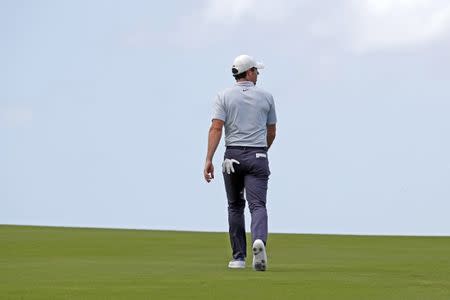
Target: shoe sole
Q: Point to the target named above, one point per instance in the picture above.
(236, 267)
(259, 257)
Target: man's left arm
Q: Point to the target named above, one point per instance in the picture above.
(215, 133)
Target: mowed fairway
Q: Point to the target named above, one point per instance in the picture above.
(71, 263)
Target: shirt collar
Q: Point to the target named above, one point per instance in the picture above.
(245, 83)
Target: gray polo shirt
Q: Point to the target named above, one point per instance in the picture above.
(246, 111)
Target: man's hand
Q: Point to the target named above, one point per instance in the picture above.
(209, 171)
(227, 165)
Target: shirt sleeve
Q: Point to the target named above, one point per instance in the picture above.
(219, 109)
(272, 115)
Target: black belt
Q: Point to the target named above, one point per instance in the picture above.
(247, 148)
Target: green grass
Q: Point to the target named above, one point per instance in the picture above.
(71, 263)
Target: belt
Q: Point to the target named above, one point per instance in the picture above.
(247, 148)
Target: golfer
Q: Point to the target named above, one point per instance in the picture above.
(248, 115)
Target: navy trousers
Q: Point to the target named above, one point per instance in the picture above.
(249, 181)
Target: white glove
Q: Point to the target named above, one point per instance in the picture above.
(227, 165)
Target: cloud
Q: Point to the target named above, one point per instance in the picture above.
(13, 117)
(360, 26)
(218, 21)
(388, 24)
(236, 11)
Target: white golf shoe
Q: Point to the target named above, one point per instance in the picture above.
(259, 256)
(236, 264)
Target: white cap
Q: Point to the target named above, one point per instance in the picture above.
(243, 63)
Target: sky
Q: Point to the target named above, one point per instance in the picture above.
(105, 108)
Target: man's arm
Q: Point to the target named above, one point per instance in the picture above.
(271, 133)
(215, 133)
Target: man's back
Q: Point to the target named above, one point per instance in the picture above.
(246, 111)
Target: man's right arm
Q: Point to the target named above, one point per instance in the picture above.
(215, 133)
(271, 133)
(271, 123)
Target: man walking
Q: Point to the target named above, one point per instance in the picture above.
(248, 115)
